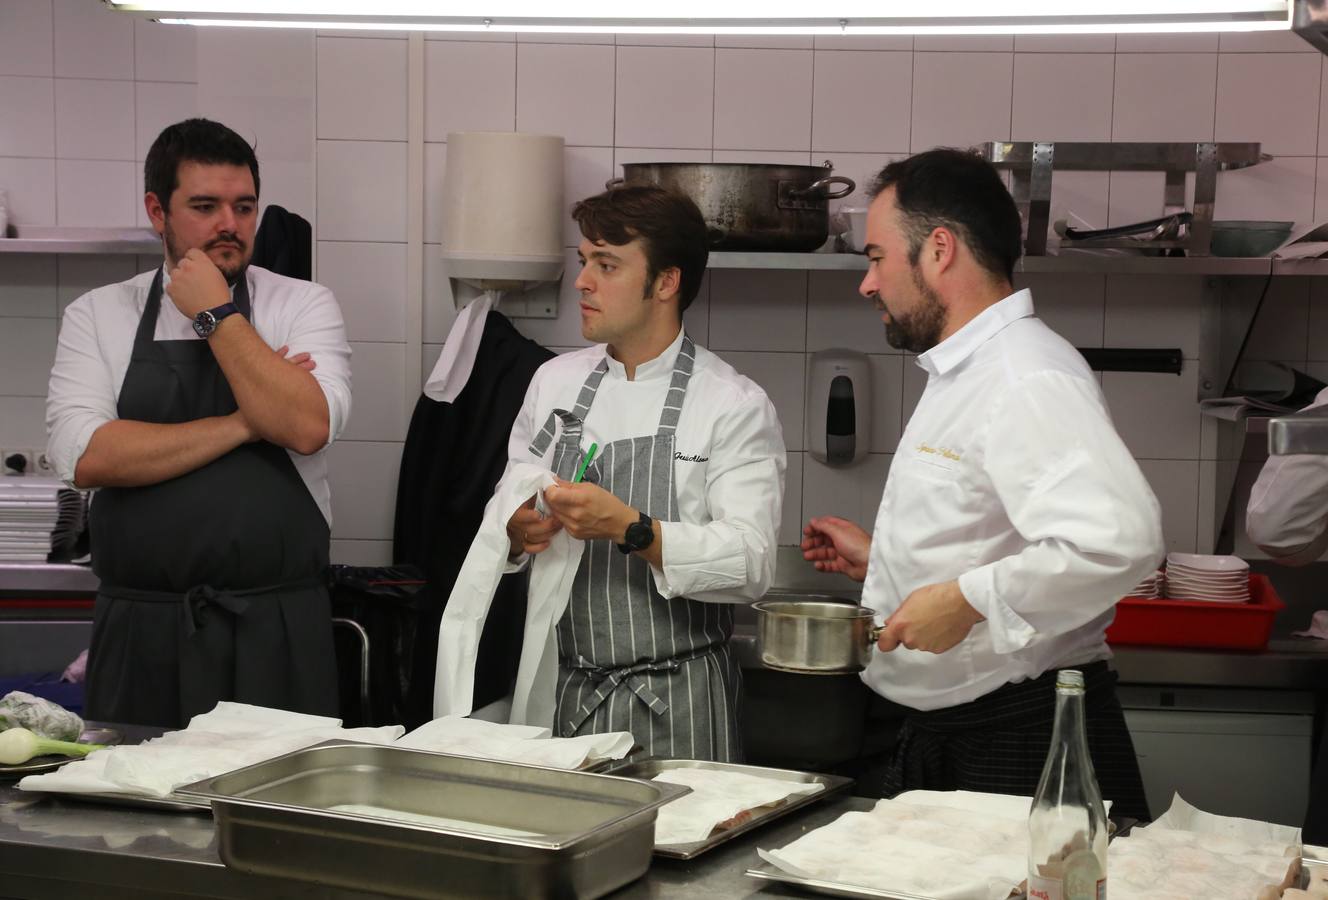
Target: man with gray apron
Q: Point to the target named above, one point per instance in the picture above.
(209, 545)
(671, 468)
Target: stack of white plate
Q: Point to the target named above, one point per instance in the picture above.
(1195, 576)
(1150, 587)
(29, 508)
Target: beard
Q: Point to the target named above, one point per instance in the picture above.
(920, 330)
(232, 272)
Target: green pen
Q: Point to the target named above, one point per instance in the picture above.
(585, 461)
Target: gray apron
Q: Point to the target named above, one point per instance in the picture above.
(630, 660)
(211, 582)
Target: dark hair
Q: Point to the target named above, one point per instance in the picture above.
(669, 225)
(958, 190)
(193, 140)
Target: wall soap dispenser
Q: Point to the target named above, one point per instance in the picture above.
(838, 406)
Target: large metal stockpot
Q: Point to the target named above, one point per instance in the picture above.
(752, 206)
(814, 637)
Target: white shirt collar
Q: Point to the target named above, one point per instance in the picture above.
(984, 326)
(659, 367)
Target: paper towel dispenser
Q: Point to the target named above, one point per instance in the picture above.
(838, 406)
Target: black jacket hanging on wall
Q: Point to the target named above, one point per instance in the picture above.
(452, 460)
(284, 244)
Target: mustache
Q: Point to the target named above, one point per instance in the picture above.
(225, 238)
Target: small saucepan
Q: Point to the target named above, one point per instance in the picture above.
(815, 637)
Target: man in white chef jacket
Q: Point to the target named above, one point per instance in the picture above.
(1287, 518)
(679, 505)
(1013, 516)
(174, 396)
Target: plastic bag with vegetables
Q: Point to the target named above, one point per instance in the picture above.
(41, 717)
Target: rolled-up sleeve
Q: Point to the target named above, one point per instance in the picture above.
(1075, 494)
(1287, 516)
(80, 396)
(319, 330)
(731, 558)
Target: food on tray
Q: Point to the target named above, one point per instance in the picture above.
(1160, 863)
(721, 799)
(18, 745)
(42, 717)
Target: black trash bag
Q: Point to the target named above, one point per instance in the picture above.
(386, 602)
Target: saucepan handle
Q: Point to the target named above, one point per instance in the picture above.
(823, 187)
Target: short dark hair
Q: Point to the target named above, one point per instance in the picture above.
(959, 190)
(669, 224)
(193, 140)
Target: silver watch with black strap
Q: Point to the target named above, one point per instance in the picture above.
(206, 322)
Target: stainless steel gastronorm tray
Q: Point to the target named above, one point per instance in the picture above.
(435, 825)
(649, 768)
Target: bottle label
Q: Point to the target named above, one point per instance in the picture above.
(1081, 878)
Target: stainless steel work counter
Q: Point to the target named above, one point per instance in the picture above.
(57, 849)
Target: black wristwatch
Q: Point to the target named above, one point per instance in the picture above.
(206, 322)
(640, 535)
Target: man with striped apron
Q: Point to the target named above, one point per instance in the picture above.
(679, 522)
(633, 660)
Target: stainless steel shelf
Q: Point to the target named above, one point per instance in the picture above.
(750, 259)
(1069, 262)
(55, 239)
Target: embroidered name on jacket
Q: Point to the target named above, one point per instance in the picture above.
(945, 452)
(689, 457)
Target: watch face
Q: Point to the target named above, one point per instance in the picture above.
(640, 535)
(205, 323)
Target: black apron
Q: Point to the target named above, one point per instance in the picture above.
(211, 582)
(998, 743)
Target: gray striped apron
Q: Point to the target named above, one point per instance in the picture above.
(630, 660)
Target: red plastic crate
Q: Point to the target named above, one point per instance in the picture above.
(1198, 623)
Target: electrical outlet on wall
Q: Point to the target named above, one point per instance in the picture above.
(15, 462)
(41, 464)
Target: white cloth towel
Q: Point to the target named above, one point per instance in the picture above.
(1318, 626)
(457, 360)
(529, 744)
(551, 575)
(230, 737)
(716, 797)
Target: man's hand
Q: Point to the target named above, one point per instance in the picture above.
(589, 512)
(530, 532)
(833, 544)
(303, 360)
(197, 284)
(932, 618)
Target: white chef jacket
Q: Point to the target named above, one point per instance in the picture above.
(97, 340)
(1011, 478)
(728, 464)
(1287, 515)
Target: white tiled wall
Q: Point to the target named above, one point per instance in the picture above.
(84, 91)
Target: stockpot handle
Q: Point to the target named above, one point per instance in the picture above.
(823, 186)
(613, 183)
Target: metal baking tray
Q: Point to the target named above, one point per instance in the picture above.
(169, 803)
(767, 872)
(647, 769)
(410, 823)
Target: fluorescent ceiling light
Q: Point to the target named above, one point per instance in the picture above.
(733, 16)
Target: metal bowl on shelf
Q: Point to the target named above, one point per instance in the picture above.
(1248, 238)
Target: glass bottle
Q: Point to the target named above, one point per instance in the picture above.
(1067, 823)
